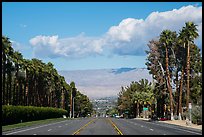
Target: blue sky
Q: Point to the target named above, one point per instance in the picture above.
(93, 35)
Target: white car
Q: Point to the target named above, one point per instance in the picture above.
(117, 116)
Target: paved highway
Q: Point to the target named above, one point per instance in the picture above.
(104, 126)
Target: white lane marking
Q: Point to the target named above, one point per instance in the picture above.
(142, 126)
(177, 128)
(59, 126)
(34, 128)
(49, 129)
(34, 134)
(151, 129)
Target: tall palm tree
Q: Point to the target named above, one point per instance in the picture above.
(27, 67)
(167, 38)
(63, 84)
(189, 33)
(7, 52)
(72, 85)
(181, 54)
(17, 59)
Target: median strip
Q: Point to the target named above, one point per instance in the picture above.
(115, 127)
(77, 132)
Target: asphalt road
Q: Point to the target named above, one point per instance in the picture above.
(104, 126)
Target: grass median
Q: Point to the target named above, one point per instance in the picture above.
(32, 123)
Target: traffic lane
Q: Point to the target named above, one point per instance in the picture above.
(29, 129)
(135, 127)
(167, 129)
(131, 128)
(72, 127)
(66, 127)
(101, 126)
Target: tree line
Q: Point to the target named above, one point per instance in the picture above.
(175, 63)
(35, 83)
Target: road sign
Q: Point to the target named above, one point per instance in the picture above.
(145, 108)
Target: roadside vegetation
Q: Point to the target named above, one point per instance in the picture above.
(175, 63)
(34, 83)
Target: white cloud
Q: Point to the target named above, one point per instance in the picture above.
(44, 40)
(73, 47)
(125, 30)
(23, 25)
(129, 37)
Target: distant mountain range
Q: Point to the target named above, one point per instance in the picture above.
(101, 83)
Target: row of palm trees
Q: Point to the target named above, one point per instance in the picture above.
(133, 98)
(176, 50)
(175, 63)
(33, 82)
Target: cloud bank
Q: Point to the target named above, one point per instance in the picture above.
(129, 37)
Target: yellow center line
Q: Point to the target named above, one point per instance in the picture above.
(115, 127)
(77, 132)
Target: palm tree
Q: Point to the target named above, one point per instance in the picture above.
(27, 67)
(189, 33)
(63, 84)
(147, 93)
(72, 85)
(7, 52)
(17, 59)
(167, 38)
(181, 55)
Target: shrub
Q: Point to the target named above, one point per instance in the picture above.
(197, 114)
(15, 114)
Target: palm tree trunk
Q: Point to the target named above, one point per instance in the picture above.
(21, 92)
(26, 89)
(3, 78)
(63, 100)
(10, 91)
(169, 85)
(17, 85)
(7, 89)
(180, 95)
(177, 93)
(188, 79)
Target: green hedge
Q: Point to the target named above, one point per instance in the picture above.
(16, 114)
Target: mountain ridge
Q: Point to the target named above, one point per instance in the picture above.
(96, 83)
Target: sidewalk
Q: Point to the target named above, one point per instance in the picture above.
(182, 123)
(176, 122)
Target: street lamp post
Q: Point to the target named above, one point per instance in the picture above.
(190, 108)
(70, 112)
